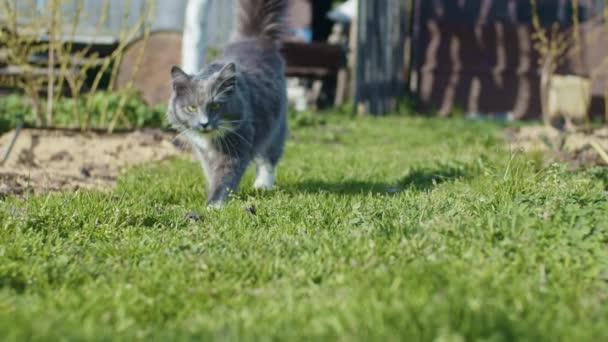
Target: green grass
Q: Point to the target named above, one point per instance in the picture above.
(381, 229)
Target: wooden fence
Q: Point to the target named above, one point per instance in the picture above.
(381, 74)
(478, 56)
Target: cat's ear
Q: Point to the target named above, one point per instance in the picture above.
(179, 78)
(226, 81)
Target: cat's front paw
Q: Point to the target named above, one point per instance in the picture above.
(264, 181)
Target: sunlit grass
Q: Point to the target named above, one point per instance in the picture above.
(382, 229)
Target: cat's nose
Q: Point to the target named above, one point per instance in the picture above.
(204, 124)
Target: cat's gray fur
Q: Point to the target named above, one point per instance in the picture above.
(239, 102)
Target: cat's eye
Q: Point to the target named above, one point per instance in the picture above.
(190, 109)
(214, 106)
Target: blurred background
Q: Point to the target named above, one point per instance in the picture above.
(103, 65)
(86, 63)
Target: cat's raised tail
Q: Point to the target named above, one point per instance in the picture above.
(260, 19)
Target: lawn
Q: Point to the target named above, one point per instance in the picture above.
(397, 228)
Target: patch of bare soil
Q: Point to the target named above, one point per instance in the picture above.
(576, 148)
(47, 160)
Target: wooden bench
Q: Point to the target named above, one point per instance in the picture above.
(316, 60)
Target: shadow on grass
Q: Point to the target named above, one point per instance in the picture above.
(422, 178)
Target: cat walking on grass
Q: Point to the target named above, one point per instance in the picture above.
(234, 111)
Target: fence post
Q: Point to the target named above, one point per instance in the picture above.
(380, 70)
(195, 40)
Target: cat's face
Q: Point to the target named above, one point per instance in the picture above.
(201, 103)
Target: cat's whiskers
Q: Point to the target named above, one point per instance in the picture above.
(230, 146)
(233, 131)
(180, 135)
(225, 141)
(233, 121)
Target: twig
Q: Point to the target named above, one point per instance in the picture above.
(600, 151)
(12, 144)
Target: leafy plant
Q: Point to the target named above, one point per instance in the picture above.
(305, 119)
(75, 69)
(101, 108)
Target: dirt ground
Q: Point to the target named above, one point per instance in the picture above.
(45, 160)
(49, 160)
(578, 149)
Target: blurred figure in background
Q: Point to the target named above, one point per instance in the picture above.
(300, 20)
(308, 20)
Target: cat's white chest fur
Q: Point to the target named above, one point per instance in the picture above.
(202, 148)
(199, 142)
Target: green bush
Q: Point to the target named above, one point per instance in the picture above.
(96, 111)
(14, 108)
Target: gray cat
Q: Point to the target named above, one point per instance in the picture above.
(234, 111)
